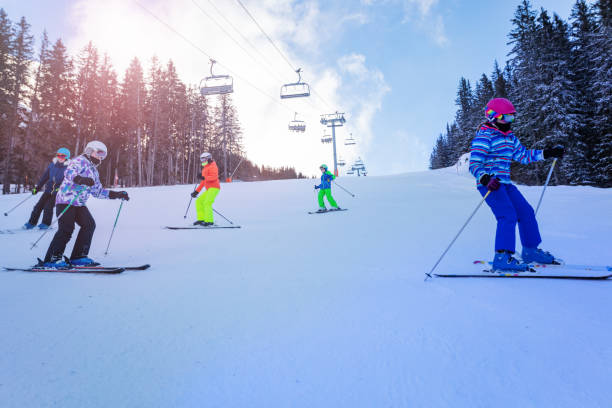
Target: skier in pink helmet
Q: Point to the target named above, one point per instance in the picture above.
(493, 150)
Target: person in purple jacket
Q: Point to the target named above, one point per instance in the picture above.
(81, 179)
(493, 149)
(51, 180)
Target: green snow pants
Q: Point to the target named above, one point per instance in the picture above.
(326, 192)
(204, 204)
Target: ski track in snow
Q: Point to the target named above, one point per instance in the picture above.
(294, 310)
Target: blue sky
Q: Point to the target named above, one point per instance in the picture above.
(392, 65)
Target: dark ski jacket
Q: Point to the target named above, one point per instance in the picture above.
(53, 176)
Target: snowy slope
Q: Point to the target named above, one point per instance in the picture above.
(297, 310)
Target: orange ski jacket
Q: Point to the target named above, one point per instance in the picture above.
(210, 175)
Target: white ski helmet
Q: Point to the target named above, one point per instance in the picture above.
(98, 147)
(205, 157)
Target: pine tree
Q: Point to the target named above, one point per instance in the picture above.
(601, 93)
(19, 70)
(464, 119)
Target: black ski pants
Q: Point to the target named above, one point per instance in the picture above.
(46, 204)
(80, 216)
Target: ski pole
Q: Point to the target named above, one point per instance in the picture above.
(546, 184)
(113, 231)
(218, 213)
(344, 189)
(58, 217)
(189, 205)
(233, 172)
(26, 199)
(457, 236)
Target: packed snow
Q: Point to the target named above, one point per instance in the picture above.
(298, 310)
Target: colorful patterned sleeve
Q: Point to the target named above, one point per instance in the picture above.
(525, 156)
(478, 153)
(97, 190)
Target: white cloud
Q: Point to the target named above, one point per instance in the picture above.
(422, 14)
(363, 89)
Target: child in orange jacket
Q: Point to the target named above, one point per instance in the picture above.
(210, 181)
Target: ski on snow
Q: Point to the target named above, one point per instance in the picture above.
(562, 266)
(203, 228)
(82, 269)
(537, 272)
(327, 211)
(99, 269)
(18, 230)
(530, 275)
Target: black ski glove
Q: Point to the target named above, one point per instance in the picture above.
(194, 194)
(558, 151)
(201, 177)
(316, 187)
(122, 195)
(491, 183)
(84, 181)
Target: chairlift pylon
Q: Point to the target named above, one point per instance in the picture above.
(297, 89)
(297, 125)
(216, 84)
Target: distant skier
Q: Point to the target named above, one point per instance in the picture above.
(210, 181)
(51, 180)
(493, 149)
(325, 189)
(81, 179)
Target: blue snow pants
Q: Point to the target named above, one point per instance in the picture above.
(509, 207)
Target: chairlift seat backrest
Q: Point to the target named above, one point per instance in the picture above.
(295, 90)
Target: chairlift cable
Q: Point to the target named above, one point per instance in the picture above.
(277, 49)
(234, 40)
(205, 53)
(228, 21)
(273, 74)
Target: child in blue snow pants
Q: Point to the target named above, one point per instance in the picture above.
(509, 207)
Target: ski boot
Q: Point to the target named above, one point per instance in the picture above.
(505, 262)
(335, 209)
(56, 262)
(28, 226)
(198, 222)
(322, 209)
(206, 224)
(83, 261)
(43, 226)
(536, 255)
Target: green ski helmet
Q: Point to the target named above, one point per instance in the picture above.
(323, 166)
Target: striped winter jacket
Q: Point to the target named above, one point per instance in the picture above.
(493, 150)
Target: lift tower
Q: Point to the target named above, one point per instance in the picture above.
(333, 120)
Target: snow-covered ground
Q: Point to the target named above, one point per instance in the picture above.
(297, 310)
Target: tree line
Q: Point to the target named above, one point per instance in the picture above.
(154, 125)
(559, 78)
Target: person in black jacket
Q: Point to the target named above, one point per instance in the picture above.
(51, 180)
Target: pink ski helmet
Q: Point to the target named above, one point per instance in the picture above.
(497, 108)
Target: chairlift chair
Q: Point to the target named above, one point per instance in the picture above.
(216, 84)
(326, 138)
(297, 125)
(297, 89)
(351, 171)
(350, 141)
